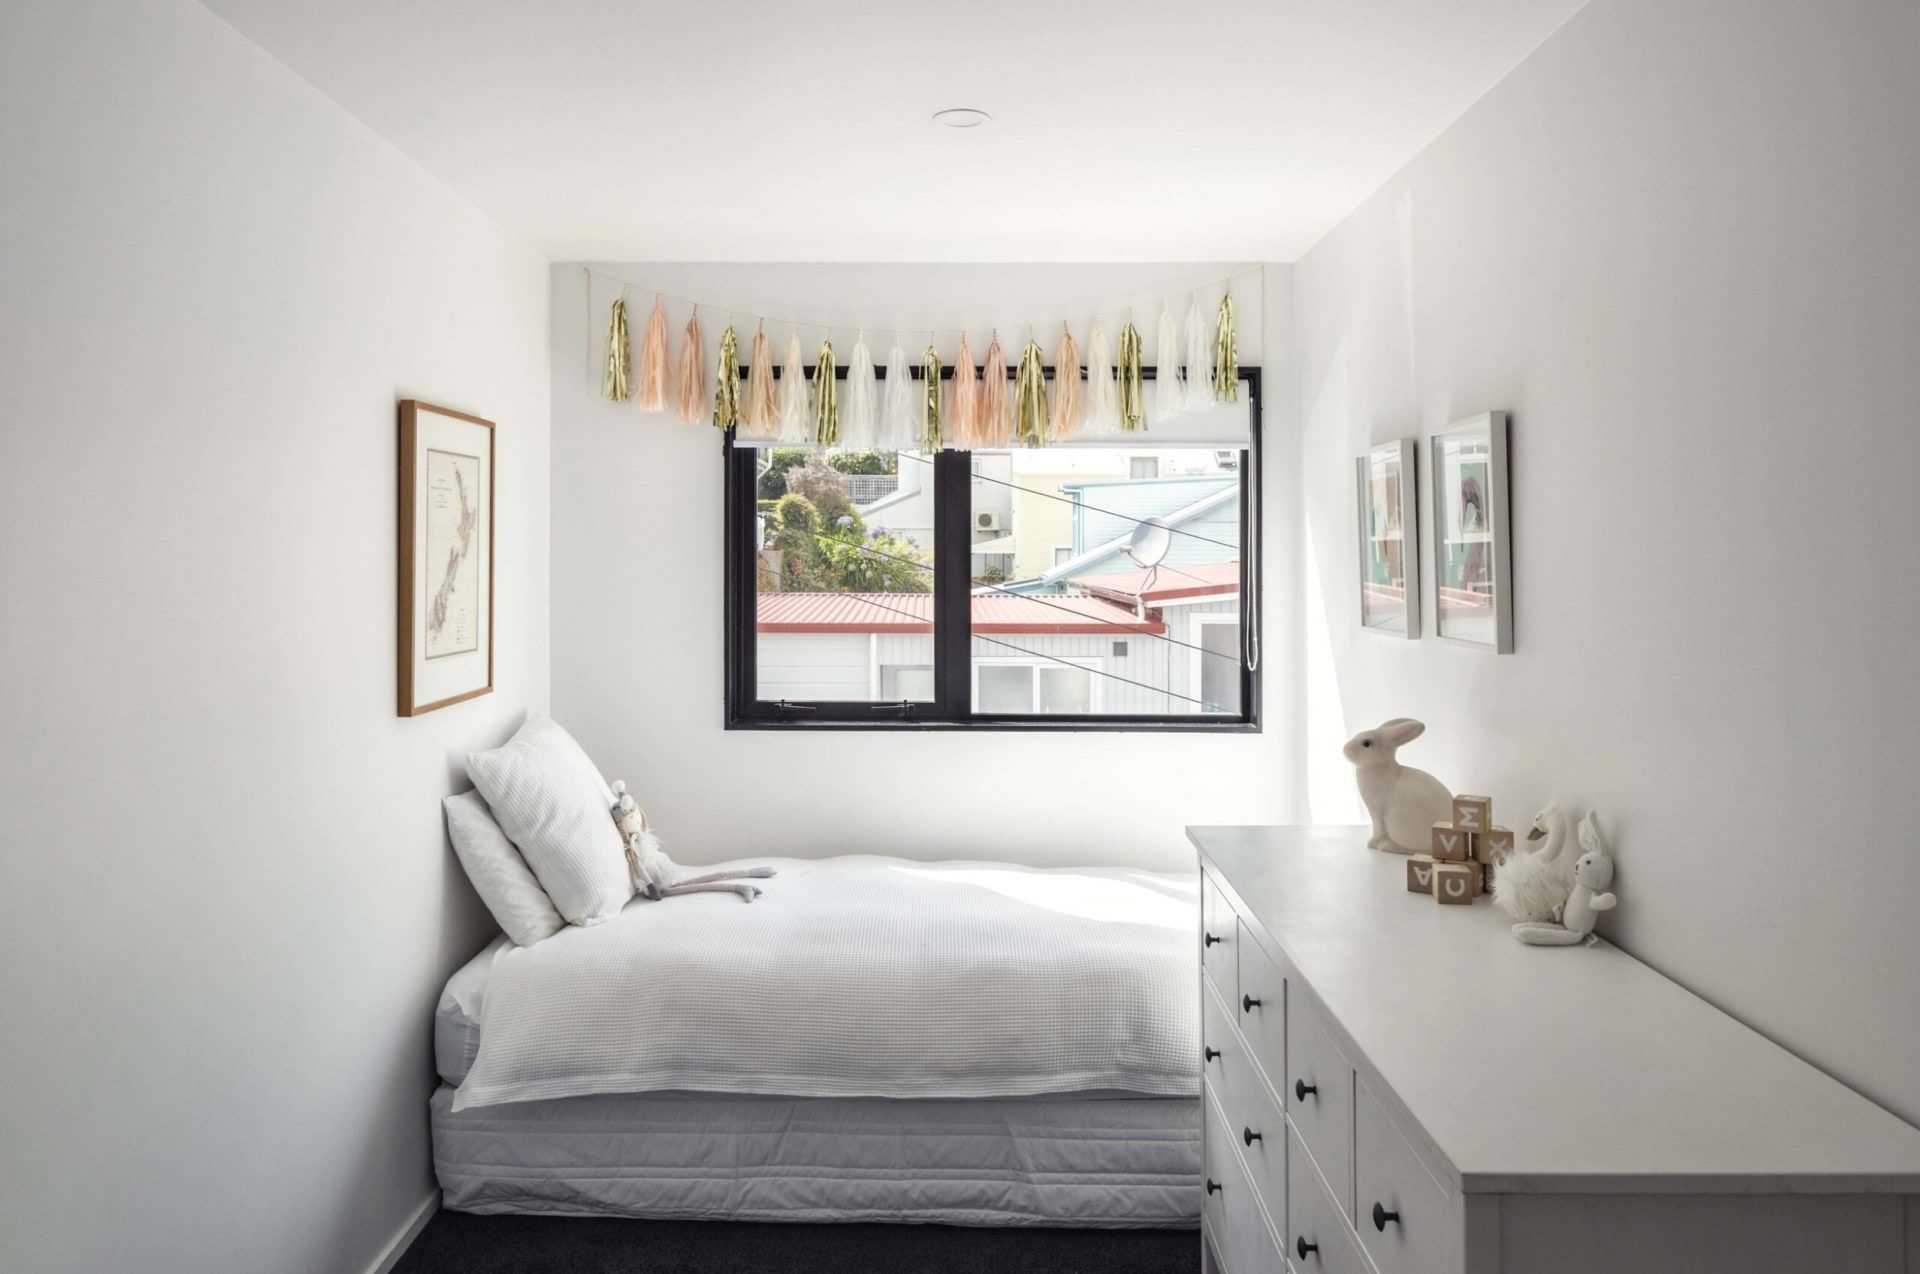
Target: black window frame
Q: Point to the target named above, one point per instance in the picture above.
(952, 704)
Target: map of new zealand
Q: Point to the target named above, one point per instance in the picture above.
(453, 564)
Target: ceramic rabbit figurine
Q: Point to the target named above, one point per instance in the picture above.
(1404, 802)
(1592, 874)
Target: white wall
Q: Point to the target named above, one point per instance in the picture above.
(1678, 243)
(637, 607)
(228, 899)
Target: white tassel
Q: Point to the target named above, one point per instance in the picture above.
(860, 401)
(1103, 393)
(1167, 393)
(1199, 360)
(900, 414)
(796, 423)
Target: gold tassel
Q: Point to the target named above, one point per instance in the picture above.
(615, 386)
(826, 399)
(1030, 397)
(1226, 358)
(1133, 389)
(930, 399)
(726, 382)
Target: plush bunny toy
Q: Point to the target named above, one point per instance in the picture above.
(1404, 802)
(654, 874)
(1592, 875)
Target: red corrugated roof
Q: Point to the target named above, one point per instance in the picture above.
(913, 613)
(1172, 582)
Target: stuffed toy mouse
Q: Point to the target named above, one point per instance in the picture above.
(657, 876)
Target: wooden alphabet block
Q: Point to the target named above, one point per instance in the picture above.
(1495, 845)
(1473, 813)
(1456, 883)
(1420, 874)
(1450, 844)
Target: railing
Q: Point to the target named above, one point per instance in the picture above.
(865, 488)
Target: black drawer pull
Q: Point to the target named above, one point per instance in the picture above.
(1213, 1187)
(1248, 1004)
(1301, 1089)
(1211, 939)
(1381, 1216)
(1208, 1054)
(1303, 1247)
(1249, 1136)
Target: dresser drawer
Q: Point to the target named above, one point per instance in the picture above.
(1318, 1239)
(1262, 1014)
(1218, 1041)
(1419, 1225)
(1320, 1096)
(1219, 940)
(1238, 1222)
(1257, 1130)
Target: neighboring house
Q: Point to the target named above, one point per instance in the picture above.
(1204, 513)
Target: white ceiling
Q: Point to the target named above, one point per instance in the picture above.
(758, 131)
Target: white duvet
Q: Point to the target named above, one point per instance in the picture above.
(860, 976)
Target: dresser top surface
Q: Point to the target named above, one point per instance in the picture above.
(1547, 1068)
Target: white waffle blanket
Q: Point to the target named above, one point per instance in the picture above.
(860, 976)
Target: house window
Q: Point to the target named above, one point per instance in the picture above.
(915, 598)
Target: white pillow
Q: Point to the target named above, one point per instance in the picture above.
(553, 804)
(500, 876)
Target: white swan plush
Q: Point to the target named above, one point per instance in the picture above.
(1404, 802)
(1533, 883)
(1592, 874)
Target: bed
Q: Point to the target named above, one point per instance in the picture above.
(874, 1039)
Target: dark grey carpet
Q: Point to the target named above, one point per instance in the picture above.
(457, 1241)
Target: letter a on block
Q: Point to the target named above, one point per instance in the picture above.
(1420, 874)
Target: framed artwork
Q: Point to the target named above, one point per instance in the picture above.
(1389, 525)
(1473, 571)
(446, 557)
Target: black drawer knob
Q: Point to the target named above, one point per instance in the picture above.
(1248, 1004)
(1303, 1247)
(1212, 938)
(1381, 1216)
(1213, 1187)
(1249, 1136)
(1208, 1054)
(1301, 1089)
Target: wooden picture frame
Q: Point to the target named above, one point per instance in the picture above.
(445, 600)
(1387, 521)
(1472, 553)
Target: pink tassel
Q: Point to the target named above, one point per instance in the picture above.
(994, 425)
(963, 409)
(1069, 391)
(693, 387)
(653, 362)
(763, 421)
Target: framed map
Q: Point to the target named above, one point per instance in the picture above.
(446, 557)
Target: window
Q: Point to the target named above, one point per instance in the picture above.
(999, 589)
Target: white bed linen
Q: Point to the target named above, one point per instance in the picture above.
(1121, 1161)
(859, 976)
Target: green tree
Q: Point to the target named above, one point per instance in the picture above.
(821, 557)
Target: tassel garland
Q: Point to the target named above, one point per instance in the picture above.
(900, 414)
(860, 420)
(763, 420)
(693, 389)
(930, 399)
(1133, 395)
(963, 399)
(614, 384)
(1069, 396)
(653, 361)
(995, 426)
(1226, 358)
(1199, 373)
(826, 399)
(1030, 397)
(1167, 392)
(1102, 418)
(726, 382)
(794, 425)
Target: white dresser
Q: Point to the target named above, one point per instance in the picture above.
(1396, 1087)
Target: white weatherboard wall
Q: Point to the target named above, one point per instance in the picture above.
(637, 603)
(229, 901)
(1678, 244)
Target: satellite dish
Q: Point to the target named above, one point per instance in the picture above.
(1151, 540)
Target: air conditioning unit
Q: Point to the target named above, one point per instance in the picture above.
(988, 522)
